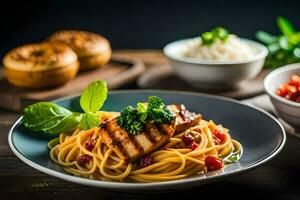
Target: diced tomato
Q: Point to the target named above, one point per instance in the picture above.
(295, 80)
(83, 159)
(187, 139)
(279, 92)
(294, 96)
(90, 144)
(193, 146)
(291, 89)
(213, 163)
(219, 136)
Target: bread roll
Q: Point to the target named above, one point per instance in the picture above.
(93, 50)
(40, 65)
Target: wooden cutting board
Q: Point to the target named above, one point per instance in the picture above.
(163, 77)
(117, 72)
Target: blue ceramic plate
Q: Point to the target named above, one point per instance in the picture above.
(260, 134)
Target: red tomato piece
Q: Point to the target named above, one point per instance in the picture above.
(219, 135)
(193, 146)
(213, 163)
(290, 90)
(187, 139)
(90, 144)
(83, 159)
(295, 80)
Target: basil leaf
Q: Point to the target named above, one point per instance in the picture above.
(285, 26)
(67, 124)
(89, 120)
(43, 116)
(94, 96)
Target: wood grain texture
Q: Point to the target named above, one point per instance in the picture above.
(117, 72)
(277, 179)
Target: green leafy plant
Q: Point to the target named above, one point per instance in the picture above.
(283, 49)
(134, 119)
(209, 38)
(51, 118)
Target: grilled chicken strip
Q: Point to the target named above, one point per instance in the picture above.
(153, 136)
(133, 147)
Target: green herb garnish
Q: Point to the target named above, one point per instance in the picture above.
(232, 158)
(93, 97)
(52, 143)
(131, 120)
(283, 49)
(209, 38)
(134, 119)
(51, 118)
(158, 112)
(89, 120)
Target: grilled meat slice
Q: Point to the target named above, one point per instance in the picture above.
(133, 147)
(184, 118)
(153, 136)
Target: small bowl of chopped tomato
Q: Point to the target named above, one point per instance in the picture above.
(283, 87)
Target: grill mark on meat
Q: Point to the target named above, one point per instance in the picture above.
(135, 143)
(162, 130)
(153, 131)
(149, 136)
(117, 143)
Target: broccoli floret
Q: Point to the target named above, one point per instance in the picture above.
(134, 119)
(129, 120)
(155, 102)
(158, 112)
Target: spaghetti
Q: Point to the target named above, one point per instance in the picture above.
(170, 162)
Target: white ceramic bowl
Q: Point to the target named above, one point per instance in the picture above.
(215, 74)
(288, 110)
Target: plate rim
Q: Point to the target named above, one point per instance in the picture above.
(155, 185)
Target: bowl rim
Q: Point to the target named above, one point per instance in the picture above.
(262, 54)
(270, 76)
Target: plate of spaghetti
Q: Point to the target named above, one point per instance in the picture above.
(144, 140)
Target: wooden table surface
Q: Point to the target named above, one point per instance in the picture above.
(277, 179)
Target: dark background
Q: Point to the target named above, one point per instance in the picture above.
(139, 24)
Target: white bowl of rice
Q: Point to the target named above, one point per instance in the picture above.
(222, 64)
